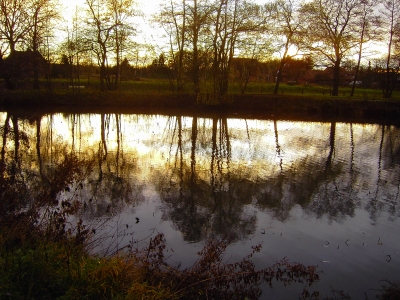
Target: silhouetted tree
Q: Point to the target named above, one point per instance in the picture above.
(329, 33)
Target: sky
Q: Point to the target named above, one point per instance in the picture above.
(151, 33)
(148, 7)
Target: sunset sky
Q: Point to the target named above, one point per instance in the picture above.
(152, 33)
(148, 33)
(148, 8)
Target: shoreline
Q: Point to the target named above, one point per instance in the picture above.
(256, 106)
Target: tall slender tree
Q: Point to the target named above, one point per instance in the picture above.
(108, 28)
(173, 18)
(390, 21)
(287, 30)
(366, 26)
(198, 21)
(122, 12)
(99, 32)
(43, 14)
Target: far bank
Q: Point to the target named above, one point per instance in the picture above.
(263, 106)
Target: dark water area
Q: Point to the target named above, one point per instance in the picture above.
(317, 193)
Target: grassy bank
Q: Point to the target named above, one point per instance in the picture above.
(263, 106)
(163, 86)
(295, 102)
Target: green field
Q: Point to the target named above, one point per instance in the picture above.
(162, 86)
(300, 102)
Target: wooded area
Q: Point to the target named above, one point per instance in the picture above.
(208, 44)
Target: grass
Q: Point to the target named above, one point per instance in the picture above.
(297, 102)
(57, 271)
(151, 86)
(313, 90)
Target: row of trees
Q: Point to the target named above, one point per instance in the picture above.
(204, 36)
(100, 37)
(25, 25)
(331, 31)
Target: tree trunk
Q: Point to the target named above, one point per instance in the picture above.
(387, 90)
(35, 53)
(359, 56)
(118, 58)
(336, 78)
(282, 64)
(278, 77)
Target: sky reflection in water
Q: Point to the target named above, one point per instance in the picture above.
(317, 193)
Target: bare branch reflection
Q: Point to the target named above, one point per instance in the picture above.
(212, 175)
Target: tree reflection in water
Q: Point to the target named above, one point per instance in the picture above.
(204, 208)
(201, 175)
(211, 177)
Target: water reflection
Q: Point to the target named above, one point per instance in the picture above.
(213, 177)
(209, 173)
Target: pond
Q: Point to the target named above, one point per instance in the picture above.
(317, 193)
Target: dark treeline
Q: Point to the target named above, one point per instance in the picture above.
(207, 44)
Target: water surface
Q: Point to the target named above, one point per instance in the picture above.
(321, 194)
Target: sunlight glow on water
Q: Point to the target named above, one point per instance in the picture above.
(323, 194)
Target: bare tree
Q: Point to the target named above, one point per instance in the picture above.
(390, 21)
(121, 11)
(198, 21)
(366, 27)
(328, 32)
(26, 24)
(232, 20)
(206, 33)
(173, 19)
(14, 22)
(99, 33)
(43, 13)
(76, 46)
(108, 30)
(287, 30)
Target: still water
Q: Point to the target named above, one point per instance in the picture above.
(323, 194)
